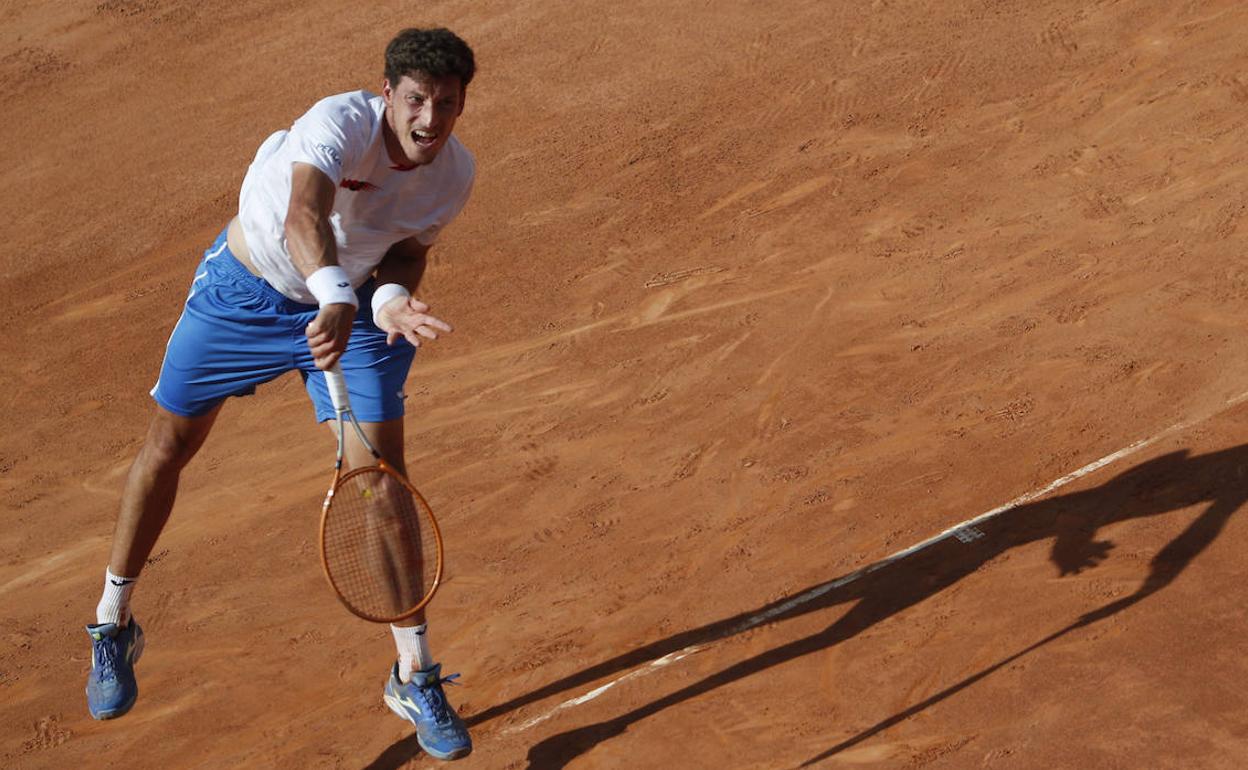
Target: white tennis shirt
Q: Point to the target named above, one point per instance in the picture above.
(376, 205)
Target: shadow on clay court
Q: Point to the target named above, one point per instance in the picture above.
(1171, 482)
(397, 755)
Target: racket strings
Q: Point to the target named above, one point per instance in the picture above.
(380, 546)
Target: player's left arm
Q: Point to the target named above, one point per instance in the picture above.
(396, 310)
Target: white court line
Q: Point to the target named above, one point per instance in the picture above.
(820, 590)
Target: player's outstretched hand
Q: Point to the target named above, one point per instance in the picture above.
(409, 319)
(328, 334)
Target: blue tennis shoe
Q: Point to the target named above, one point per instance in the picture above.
(111, 686)
(439, 730)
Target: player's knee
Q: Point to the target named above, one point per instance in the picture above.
(166, 452)
(169, 447)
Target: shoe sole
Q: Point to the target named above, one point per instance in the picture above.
(402, 712)
(117, 712)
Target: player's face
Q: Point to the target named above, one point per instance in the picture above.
(421, 113)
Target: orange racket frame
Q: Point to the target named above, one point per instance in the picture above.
(342, 406)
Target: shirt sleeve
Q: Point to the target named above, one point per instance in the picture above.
(332, 136)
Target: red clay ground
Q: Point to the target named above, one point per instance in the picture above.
(747, 298)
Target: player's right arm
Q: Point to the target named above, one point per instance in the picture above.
(310, 242)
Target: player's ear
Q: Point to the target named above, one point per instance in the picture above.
(387, 93)
(463, 97)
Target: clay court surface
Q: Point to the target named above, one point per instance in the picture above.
(749, 297)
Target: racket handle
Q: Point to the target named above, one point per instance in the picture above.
(337, 388)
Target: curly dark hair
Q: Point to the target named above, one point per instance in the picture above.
(434, 53)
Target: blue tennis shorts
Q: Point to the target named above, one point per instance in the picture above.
(237, 332)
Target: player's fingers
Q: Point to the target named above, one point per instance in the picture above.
(326, 357)
(412, 338)
(417, 306)
(432, 322)
(324, 343)
(427, 333)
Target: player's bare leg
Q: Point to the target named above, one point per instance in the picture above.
(414, 686)
(387, 437)
(146, 500)
(152, 485)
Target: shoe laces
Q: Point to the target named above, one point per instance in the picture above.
(105, 659)
(435, 699)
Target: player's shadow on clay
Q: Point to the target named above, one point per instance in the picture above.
(1168, 483)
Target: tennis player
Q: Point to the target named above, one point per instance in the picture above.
(336, 218)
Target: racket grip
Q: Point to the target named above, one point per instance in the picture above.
(337, 385)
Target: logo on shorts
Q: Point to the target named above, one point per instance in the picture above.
(355, 185)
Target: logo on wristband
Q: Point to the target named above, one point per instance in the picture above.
(331, 285)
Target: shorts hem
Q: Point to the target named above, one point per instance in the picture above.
(330, 416)
(168, 407)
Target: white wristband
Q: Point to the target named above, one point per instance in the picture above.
(387, 292)
(331, 286)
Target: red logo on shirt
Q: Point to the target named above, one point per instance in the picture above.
(356, 185)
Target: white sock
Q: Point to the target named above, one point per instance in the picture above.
(114, 606)
(413, 647)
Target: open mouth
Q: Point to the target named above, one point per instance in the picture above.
(424, 138)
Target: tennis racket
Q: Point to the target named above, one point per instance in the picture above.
(380, 545)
